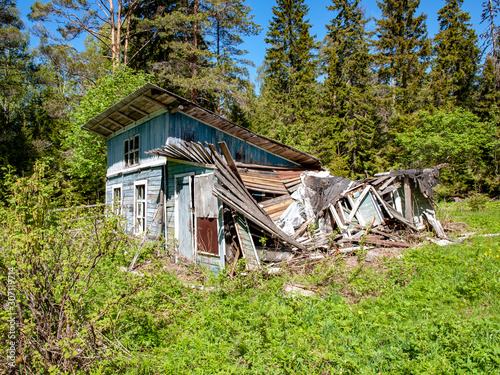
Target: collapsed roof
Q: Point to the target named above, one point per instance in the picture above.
(310, 210)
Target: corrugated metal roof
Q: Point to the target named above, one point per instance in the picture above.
(150, 98)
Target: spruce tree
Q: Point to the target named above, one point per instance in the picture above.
(288, 90)
(348, 127)
(456, 57)
(491, 36)
(489, 84)
(403, 49)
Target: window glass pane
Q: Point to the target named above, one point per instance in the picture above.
(126, 147)
(136, 157)
(136, 145)
(140, 191)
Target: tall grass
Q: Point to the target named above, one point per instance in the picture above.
(434, 311)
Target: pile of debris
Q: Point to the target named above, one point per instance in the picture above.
(292, 212)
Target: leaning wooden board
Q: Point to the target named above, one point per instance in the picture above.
(246, 242)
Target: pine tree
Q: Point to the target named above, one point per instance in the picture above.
(456, 57)
(228, 22)
(194, 47)
(489, 84)
(403, 49)
(348, 125)
(288, 90)
(106, 21)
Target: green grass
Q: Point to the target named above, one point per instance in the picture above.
(434, 311)
(484, 220)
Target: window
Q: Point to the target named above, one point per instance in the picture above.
(140, 208)
(131, 151)
(117, 200)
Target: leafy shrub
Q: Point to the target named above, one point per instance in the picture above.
(477, 201)
(68, 287)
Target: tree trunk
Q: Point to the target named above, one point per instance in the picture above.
(112, 27)
(194, 60)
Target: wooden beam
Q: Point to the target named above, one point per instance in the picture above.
(115, 122)
(139, 110)
(157, 102)
(229, 159)
(126, 116)
(102, 127)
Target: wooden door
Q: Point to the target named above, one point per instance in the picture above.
(207, 214)
(184, 219)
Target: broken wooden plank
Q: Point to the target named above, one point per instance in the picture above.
(229, 159)
(408, 208)
(375, 241)
(387, 183)
(246, 243)
(436, 225)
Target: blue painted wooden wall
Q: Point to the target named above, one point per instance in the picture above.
(186, 128)
(154, 133)
(153, 177)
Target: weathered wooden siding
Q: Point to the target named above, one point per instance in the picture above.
(172, 170)
(153, 176)
(214, 263)
(210, 262)
(419, 204)
(152, 134)
(188, 129)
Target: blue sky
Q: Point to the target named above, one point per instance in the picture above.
(318, 17)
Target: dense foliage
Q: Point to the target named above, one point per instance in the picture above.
(362, 101)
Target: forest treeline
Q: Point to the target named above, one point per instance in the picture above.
(373, 95)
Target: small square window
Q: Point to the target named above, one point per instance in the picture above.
(131, 151)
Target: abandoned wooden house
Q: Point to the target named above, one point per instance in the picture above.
(171, 193)
(218, 192)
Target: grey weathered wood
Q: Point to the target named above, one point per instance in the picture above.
(204, 202)
(408, 209)
(115, 123)
(126, 116)
(386, 184)
(246, 243)
(154, 101)
(142, 112)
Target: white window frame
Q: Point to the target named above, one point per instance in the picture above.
(135, 152)
(117, 206)
(140, 229)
